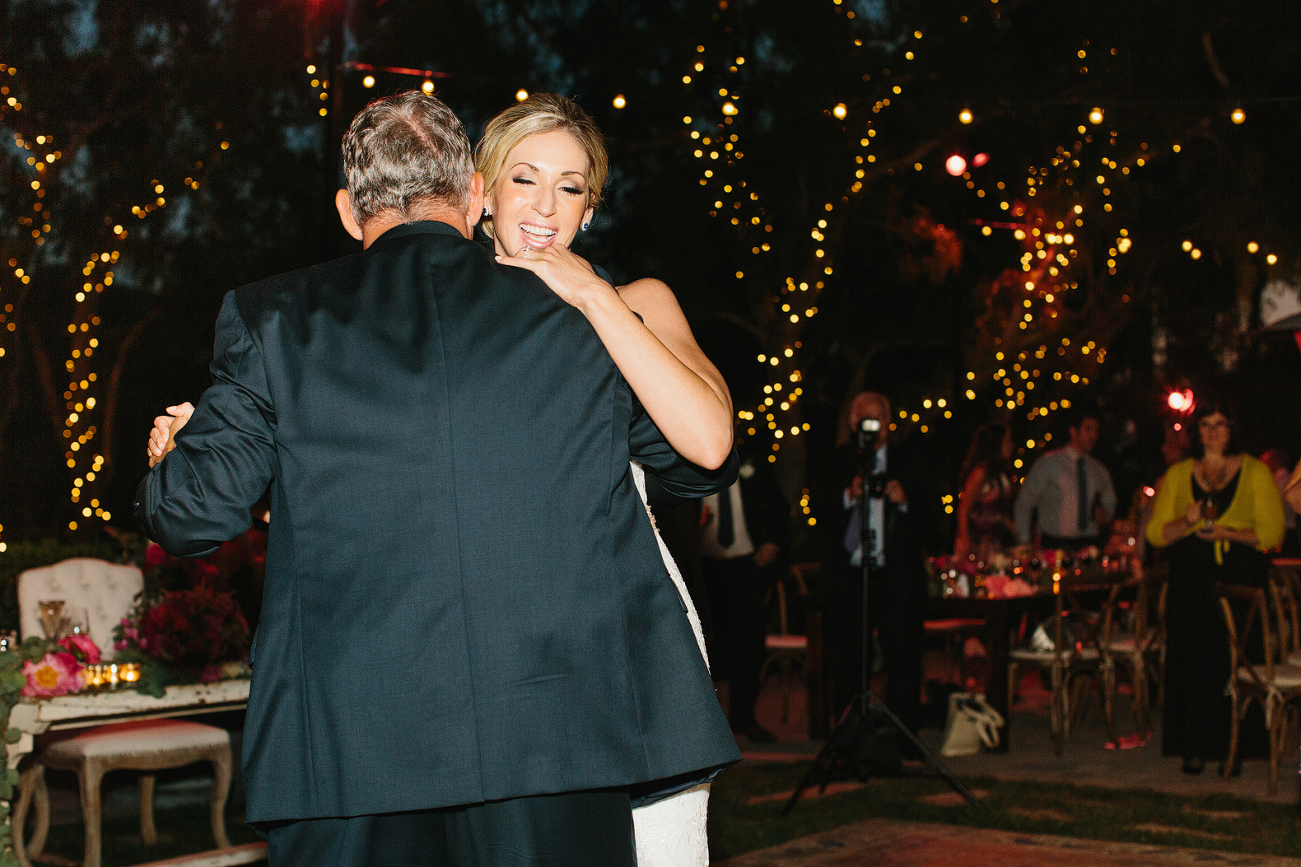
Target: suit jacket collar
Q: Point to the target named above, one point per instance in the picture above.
(420, 227)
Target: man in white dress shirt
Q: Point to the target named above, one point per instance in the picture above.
(1069, 490)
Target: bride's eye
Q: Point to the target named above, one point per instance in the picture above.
(574, 191)
(520, 179)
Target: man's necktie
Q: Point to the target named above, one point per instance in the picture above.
(1082, 492)
(854, 532)
(726, 534)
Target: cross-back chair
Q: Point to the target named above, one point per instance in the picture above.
(1276, 685)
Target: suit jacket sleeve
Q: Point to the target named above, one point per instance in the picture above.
(202, 493)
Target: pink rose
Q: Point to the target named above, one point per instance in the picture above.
(81, 646)
(54, 674)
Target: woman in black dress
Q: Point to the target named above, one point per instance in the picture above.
(1216, 514)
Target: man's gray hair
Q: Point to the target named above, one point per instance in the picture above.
(404, 149)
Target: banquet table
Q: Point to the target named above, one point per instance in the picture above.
(82, 710)
(1000, 615)
(1003, 615)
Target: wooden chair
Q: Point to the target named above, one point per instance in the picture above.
(1057, 660)
(106, 590)
(1283, 593)
(785, 649)
(1073, 662)
(1276, 685)
(1127, 636)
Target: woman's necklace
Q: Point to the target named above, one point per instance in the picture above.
(1213, 481)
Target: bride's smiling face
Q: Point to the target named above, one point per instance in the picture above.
(540, 196)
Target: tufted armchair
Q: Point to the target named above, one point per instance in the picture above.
(107, 591)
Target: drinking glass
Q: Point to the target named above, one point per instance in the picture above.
(53, 621)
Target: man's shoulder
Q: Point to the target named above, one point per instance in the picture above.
(287, 282)
(408, 248)
(1053, 456)
(1097, 463)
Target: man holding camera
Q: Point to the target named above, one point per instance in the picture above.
(902, 507)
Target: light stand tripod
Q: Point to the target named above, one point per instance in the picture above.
(852, 750)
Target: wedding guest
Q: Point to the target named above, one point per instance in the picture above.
(745, 531)
(985, 522)
(1216, 514)
(1069, 491)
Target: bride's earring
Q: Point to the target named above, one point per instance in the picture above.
(585, 225)
(487, 213)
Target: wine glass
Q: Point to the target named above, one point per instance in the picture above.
(53, 621)
(77, 621)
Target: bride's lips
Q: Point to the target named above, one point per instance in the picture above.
(537, 236)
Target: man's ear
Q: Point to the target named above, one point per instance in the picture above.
(344, 205)
(474, 208)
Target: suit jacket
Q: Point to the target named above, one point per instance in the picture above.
(907, 532)
(464, 598)
(767, 514)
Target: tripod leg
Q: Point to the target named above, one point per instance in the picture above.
(819, 773)
(931, 759)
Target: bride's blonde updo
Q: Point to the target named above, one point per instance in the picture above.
(541, 113)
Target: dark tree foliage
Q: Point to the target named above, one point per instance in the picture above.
(188, 124)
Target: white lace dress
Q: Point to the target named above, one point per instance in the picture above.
(671, 831)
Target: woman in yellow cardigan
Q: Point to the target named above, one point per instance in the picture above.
(1216, 514)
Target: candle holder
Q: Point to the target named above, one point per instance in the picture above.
(110, 675)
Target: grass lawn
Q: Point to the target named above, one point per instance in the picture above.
(746, 802)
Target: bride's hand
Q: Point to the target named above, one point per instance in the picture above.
(162, 437)
(567, 274)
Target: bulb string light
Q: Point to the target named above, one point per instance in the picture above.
(715, 145)
(83, 404)
(33, 224)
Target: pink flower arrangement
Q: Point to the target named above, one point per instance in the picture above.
(82, 647)
(55, 674)
(131, 637)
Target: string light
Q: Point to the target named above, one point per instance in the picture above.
(82, 403)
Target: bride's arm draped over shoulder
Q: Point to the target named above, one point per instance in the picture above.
(681, 389)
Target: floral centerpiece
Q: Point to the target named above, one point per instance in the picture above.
(57, 671)
(186, 625)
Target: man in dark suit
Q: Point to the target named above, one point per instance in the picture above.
(745, 532)
(903, 508)
(470, 650)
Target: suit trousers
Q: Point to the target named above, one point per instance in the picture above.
(737, 627)
(573, 829)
